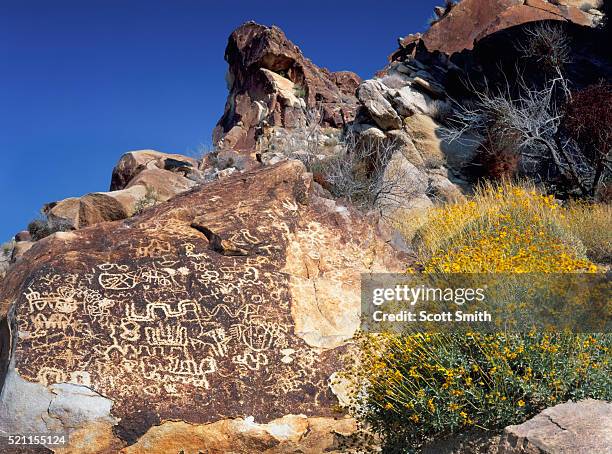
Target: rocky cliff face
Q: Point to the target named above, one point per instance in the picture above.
(233, 300)
(272, 84)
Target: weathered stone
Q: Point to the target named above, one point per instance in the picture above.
(134, 162)
(432, 88)
(473, 20)
(288, 434)
(402, 141)
(227, 305)
(366, 131)
(162, 183)
(24, 235)
(572, 427)
(402, 182)
(19, 249)
(371, 94)
(270, 84)
(409, 101)
(84, 211)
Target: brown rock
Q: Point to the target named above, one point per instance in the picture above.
(472, 20)
(573, 427)
(271, 83)
(226, 306)
(134, 162)
(84, 211)
(24, 235)
(162, 183)
(346, 81)
(20, 248)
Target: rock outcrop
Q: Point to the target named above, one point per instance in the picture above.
(572, 427)
(472, 20)
(271, 84)
(211, 322)
(137, 177)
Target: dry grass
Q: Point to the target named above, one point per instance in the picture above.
(591, 224)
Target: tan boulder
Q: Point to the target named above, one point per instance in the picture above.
(162, 183)
(572, 427)
(134, 162)
(291, 433)
(86, 210)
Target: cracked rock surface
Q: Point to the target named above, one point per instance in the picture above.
(220, 315)
(573, 427)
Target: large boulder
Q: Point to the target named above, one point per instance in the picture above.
(210, 323)
(572, 427)
(140, 178)
(371, 93)
(472, 20)
(134, 162)
(271, 84)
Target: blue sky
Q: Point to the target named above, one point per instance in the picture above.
(82, 82)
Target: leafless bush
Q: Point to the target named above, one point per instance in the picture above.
(369, 173)
(548, 44)
(532, 121)
(41, 228)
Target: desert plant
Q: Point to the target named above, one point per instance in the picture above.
(590, 223)
(45, 226)
(503, 228)
(299, 91)
(547, 44)
(368, 173)
(151, 198)
(533, 117)
(421, 387)
(588, 121)
(413, 388)
(7, 249)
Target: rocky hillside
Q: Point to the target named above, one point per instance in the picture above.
(208, 305)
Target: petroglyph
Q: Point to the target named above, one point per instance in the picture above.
(147, 314)
(164, 327)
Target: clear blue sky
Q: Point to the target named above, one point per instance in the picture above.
(83, 81)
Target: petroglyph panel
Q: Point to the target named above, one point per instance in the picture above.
(223, 302)
(179, 328)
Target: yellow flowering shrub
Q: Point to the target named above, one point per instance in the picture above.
(410, 389)
(422, 387)
(503, 229)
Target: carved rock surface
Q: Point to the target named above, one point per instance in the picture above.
(573, 427)
(271, 84)
(207, 320)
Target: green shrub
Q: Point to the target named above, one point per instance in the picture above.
(151, 198)
(423, 387)
(41, 228)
